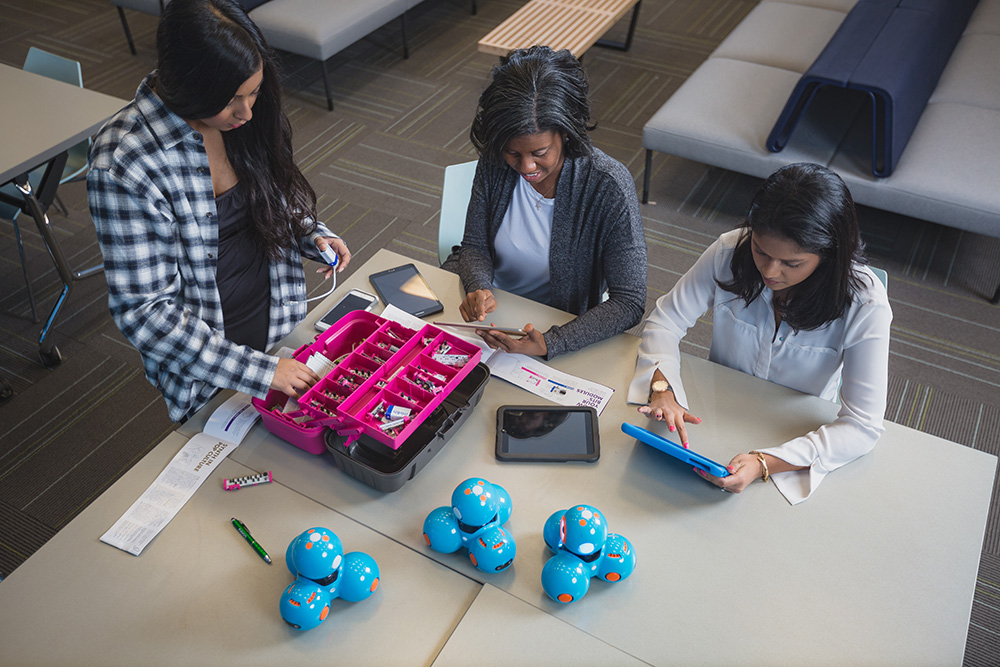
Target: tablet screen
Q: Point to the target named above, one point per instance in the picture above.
(543, 433)
(406, 289)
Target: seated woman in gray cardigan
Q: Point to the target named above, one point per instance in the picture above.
(551, 217)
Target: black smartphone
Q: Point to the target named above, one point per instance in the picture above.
(354, 300)
(405, 288)
(547, 433)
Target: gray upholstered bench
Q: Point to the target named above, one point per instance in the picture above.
(723, 113)
(315, 29)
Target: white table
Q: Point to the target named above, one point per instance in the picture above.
(199, 595)
(883, 557)
(878, 567)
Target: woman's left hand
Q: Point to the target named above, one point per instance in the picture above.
(744, 469)
(532, 343)
(339, 247)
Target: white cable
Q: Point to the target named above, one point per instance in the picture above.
(333, 260)
(323, 296)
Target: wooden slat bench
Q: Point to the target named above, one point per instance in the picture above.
(561, 24)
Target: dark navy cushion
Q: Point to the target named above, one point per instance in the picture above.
(892, 50)
(247, 5)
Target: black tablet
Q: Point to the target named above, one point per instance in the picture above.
(406, 289)
(547, 433)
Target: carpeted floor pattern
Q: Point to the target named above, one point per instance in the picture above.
(377, 163)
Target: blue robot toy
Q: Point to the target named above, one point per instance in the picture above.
(323, 572)
(583, 548)
(473, 522)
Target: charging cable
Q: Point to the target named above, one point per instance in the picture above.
(330, 257)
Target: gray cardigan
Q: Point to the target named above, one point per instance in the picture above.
(597, 242)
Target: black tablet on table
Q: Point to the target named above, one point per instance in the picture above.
(550, 433)
(405, 288)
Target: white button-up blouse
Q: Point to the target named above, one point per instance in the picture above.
(854, 348)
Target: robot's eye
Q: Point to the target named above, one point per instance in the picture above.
(466, 528)
(326, 581)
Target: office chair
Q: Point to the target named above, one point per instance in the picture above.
(68, 71)
(454, 203)
(38, 191)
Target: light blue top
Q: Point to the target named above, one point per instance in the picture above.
(522, 244)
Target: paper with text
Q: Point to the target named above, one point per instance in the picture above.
(525, 371)
(185, 473)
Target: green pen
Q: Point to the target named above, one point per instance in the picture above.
(242, 530)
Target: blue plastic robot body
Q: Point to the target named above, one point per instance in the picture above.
(323, 572)
(583, 549)
(473, 522)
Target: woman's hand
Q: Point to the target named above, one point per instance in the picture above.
(477, 304)
(744, 469)
(293, 378)
(663, 406)
(532, 343)
(339, 247)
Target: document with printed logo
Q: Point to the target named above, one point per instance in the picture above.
(185, 473)
(525, 371)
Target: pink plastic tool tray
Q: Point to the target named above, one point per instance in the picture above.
(378, 363)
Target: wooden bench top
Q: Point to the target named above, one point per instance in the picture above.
(561, 24)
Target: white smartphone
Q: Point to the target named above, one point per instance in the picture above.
(484, 326)
(354, 300)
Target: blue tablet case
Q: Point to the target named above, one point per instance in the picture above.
(675, 450)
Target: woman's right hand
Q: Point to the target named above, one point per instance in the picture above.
(663, 406)
(477, 305)
(293, 378)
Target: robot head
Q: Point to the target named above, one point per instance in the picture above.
(475, 502)
(316, 554)
(583, 531)
(304, 604)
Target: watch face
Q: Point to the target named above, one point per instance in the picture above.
(661, 385)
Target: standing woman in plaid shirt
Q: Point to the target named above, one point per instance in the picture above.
(203, 216)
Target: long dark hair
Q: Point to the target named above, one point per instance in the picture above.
(206, 50)
(810, 206)
(534, 90)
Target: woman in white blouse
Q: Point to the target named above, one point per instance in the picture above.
(792, 303)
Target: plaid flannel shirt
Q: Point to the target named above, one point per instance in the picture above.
(151, 199)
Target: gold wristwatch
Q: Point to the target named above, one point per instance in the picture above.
(658, 387)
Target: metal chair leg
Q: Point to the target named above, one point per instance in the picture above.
(406, 46)
(326, 86)
(48, 352)
(24, 269)
(646, 176)
(60, 205)
(128, 33)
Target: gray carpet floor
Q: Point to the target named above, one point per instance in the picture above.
(377, 163)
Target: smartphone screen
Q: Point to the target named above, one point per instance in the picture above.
(406, 289)
(351, 302)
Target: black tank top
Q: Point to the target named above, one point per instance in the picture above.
(241, 273)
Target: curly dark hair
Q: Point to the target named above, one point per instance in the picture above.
(810, 206)
(207, 49)
(534, 90)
